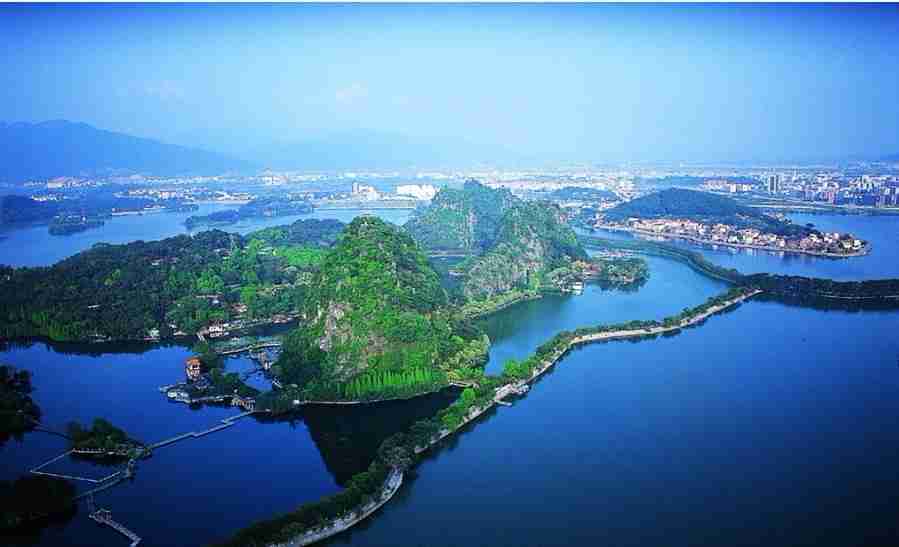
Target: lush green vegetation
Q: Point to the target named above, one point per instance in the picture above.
(101, 436)
(362, 489)
(461, 220)
(18, 413)
(66, 225)
(157, 288)
(491, 304)
(702, 207)
(691, 258)
(402, 450)
(31, 497)
(827, 293)
(261, 207)
(806, 291)
(378, 325)
(623, 273)
(303, 232)
(532, 240)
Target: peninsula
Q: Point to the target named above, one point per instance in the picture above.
(704, 218)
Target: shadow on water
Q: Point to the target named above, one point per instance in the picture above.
(348, 437)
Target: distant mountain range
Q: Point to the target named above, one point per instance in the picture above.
(41, 151)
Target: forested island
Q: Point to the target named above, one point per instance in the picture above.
(28, 499)
(102, 440)
(261, 207)
(18, 412)
(93, 204)
(64, 225)
(160, 289)
(31, 499)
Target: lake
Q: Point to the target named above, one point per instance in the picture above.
(768, 424)
(34, 246)
(882, 231)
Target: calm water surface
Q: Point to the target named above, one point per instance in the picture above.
(883, 261)
(34, 246)
(767, 425)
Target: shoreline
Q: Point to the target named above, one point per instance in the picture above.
(515, 387)
(391, 486)
(866, 249)
(510, 388)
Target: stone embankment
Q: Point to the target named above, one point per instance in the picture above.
(395, 478)
(517, 387)
(391, 485)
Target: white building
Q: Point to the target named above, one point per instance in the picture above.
(417, 191)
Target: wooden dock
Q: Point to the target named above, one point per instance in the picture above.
(104, 517)
(225, 423)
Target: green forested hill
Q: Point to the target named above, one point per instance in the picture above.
(513, 242)
(377, 323)
(461, 220)
(180, 283)
(701, 207)
(533, 239)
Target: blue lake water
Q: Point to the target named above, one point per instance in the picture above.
(34, 246)
(881, 231)
(769, 425)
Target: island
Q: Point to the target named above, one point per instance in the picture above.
(177, 286)
(64, 225)
(260, 207)
(33, 499)
(705, 218)
(103, 440)
(18, 412)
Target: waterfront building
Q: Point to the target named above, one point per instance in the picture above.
(192, 366)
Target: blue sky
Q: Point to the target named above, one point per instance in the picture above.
(564, 83)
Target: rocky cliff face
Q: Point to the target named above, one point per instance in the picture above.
(374, 304)
(464, 220)
(533, 239)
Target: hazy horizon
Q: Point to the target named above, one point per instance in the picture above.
(540, 83)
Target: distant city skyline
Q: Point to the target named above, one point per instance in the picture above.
(536, 84)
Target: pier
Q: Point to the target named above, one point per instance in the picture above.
(225, 423)
(104, 517)
(251, 348)
(38, 471)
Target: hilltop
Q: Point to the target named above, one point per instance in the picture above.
(464, 219)
(512, 243)
(701, 207)
(376, 321)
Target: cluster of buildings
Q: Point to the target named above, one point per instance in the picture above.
(815, 242)
(830, 187)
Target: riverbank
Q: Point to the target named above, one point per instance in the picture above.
(516, 387)
(402, 450)
(478, 310)
(391, 486)
(702, 241)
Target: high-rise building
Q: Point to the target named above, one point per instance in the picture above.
(773, 184)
